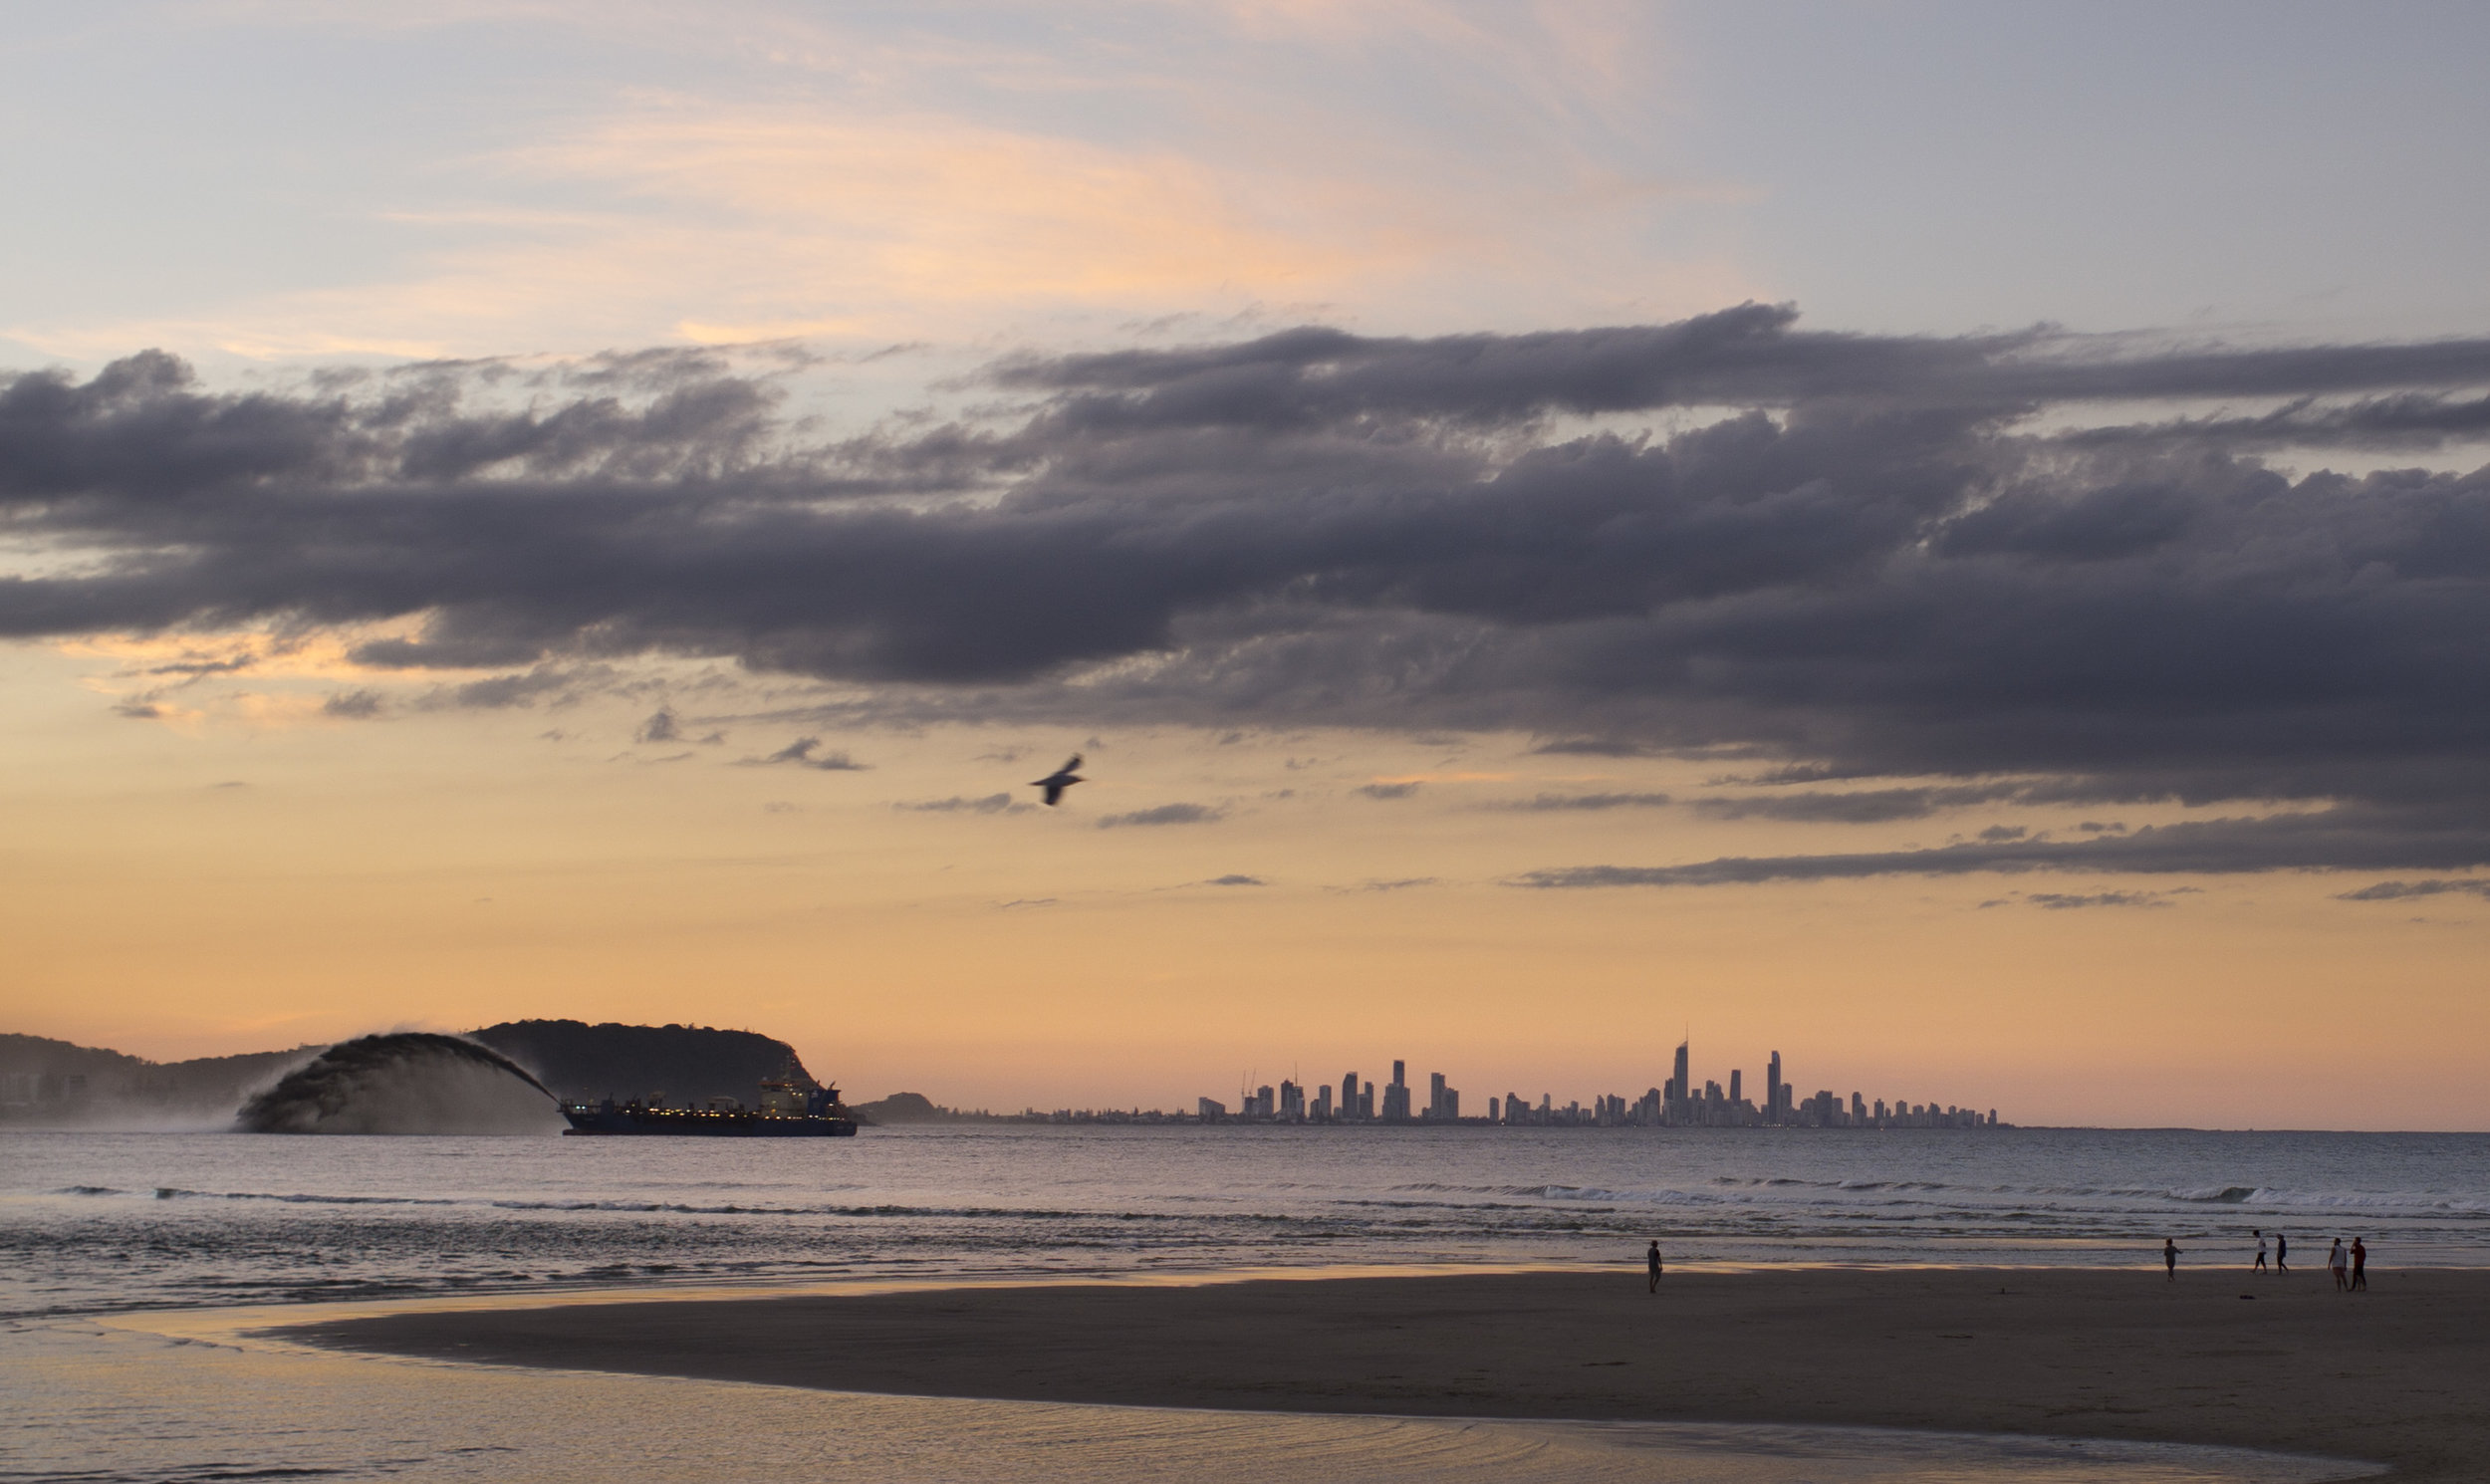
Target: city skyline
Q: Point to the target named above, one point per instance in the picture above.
(1674, 1103)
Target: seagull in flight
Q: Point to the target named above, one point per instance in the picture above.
(1061, 779)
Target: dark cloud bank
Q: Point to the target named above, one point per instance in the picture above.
(1871, 559)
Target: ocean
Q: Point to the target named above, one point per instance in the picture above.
(131, 1266)
(96, 1222)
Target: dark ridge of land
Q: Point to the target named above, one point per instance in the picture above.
(2399, 1375)
(74, 1085)
(582, 1063)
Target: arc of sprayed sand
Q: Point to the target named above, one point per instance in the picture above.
(322, 1084)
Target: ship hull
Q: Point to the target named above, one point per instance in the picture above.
(686, 1122)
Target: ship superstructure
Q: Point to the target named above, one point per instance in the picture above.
(789, 1109)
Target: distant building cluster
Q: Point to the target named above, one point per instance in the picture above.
(1676, 1103)
(34, 1088)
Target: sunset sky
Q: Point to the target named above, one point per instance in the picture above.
(1949, 541)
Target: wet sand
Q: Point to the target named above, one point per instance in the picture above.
(2399, 1374)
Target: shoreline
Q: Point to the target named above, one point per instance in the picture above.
(2397, 1376)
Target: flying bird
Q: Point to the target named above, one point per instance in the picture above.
(1061, 779)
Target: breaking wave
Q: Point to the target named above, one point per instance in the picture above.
(1733, 1190)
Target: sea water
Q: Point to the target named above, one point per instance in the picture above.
(102, 1221)
(125, 1260)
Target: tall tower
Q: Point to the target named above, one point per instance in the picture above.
(1735, 1077)
(1771, 1090)
(1396, 1094)
(1685, 1088)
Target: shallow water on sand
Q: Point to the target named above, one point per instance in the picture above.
(92, 1222)
(110, 1403)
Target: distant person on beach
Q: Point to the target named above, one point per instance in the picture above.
(2360, 1264)
(2334, 1265)
(2170, 1257)
(2260, 1236)
(2282, 1252)
(1652, 1258)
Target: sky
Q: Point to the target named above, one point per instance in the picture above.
(1951, 542)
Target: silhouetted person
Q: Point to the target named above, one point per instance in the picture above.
(2360, 1264)
(2334, 1265)
(2281, 1253)
(1061, 779)
(2260, 1236)
(1653, 1259)
(2170, 1257)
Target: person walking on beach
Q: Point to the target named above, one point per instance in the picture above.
(2334, 1265)
(2170, 1257)
(2281, 1253)
(2260, 1236)
(2360, 1264)
(1652, 1258)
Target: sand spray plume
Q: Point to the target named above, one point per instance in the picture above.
(408, 1082)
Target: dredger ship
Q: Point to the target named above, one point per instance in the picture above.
(787, 1111)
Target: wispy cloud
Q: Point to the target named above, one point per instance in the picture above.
(1164, 814)
(2060, 901)
(806, 752)
(2404, 890)
(1575, 803)
(960, 804)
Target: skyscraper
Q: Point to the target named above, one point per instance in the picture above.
(1349, 1106)
(1773, 1092)
(1397, 1095)
(1683, 1089)
(1735, 1077)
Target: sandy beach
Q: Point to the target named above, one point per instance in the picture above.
(2399, 1374)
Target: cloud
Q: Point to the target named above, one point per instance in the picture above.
(1236, 880)
(2340, 839)
(1386, 790)
(1853, 807)
(1875, 563)
(1164, 814)
(1405, 883)
(959, 804)
(1549, 803)
(354, 704)
(2059, 901)
(660, 727)
(502, 693)
(2400, 891)
(1597, 747)
(803, 752)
